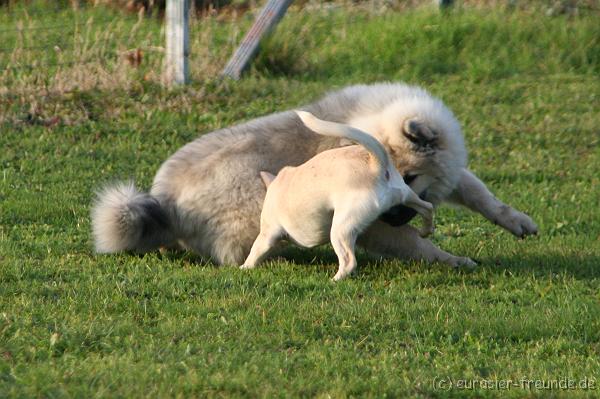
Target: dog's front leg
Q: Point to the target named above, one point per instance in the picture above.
(472, 193)
(405, 242)
(262, 245)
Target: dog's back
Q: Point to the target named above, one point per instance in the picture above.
(303, 198)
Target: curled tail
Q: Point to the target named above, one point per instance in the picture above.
(124, 219)
(339, 130)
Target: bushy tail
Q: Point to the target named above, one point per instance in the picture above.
(339, 130)
(124, 219)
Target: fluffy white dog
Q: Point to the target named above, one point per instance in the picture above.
(333, 197)
(207, 197)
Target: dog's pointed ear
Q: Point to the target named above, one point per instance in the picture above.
(418, 132)
(267, 178)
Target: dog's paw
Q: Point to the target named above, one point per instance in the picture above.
(247, 267)
(340, 275)
(516, 222)
(427, 230)
(461, 262)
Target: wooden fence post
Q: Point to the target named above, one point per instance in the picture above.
(269, 16)
(178, 42)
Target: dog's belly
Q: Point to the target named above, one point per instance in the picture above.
(309, 240)
(309, 230)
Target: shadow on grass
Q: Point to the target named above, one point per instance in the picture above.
(577, 266)
(584, 267)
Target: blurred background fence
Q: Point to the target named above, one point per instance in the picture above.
(49, 46)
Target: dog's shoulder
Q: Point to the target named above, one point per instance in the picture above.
(357, 153)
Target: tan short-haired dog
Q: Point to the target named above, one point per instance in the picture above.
(333, 196)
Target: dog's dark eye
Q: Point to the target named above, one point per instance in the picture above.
(409, 178)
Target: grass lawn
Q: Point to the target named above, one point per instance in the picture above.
(524, 85)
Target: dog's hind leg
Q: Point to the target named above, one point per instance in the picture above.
(343, 240)
(405, 242)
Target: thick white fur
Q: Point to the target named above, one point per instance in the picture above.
(110, 215)
(211, 196)
(333, 197)
(126, 219)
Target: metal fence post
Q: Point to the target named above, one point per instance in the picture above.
(178, 42)
(269, 16)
